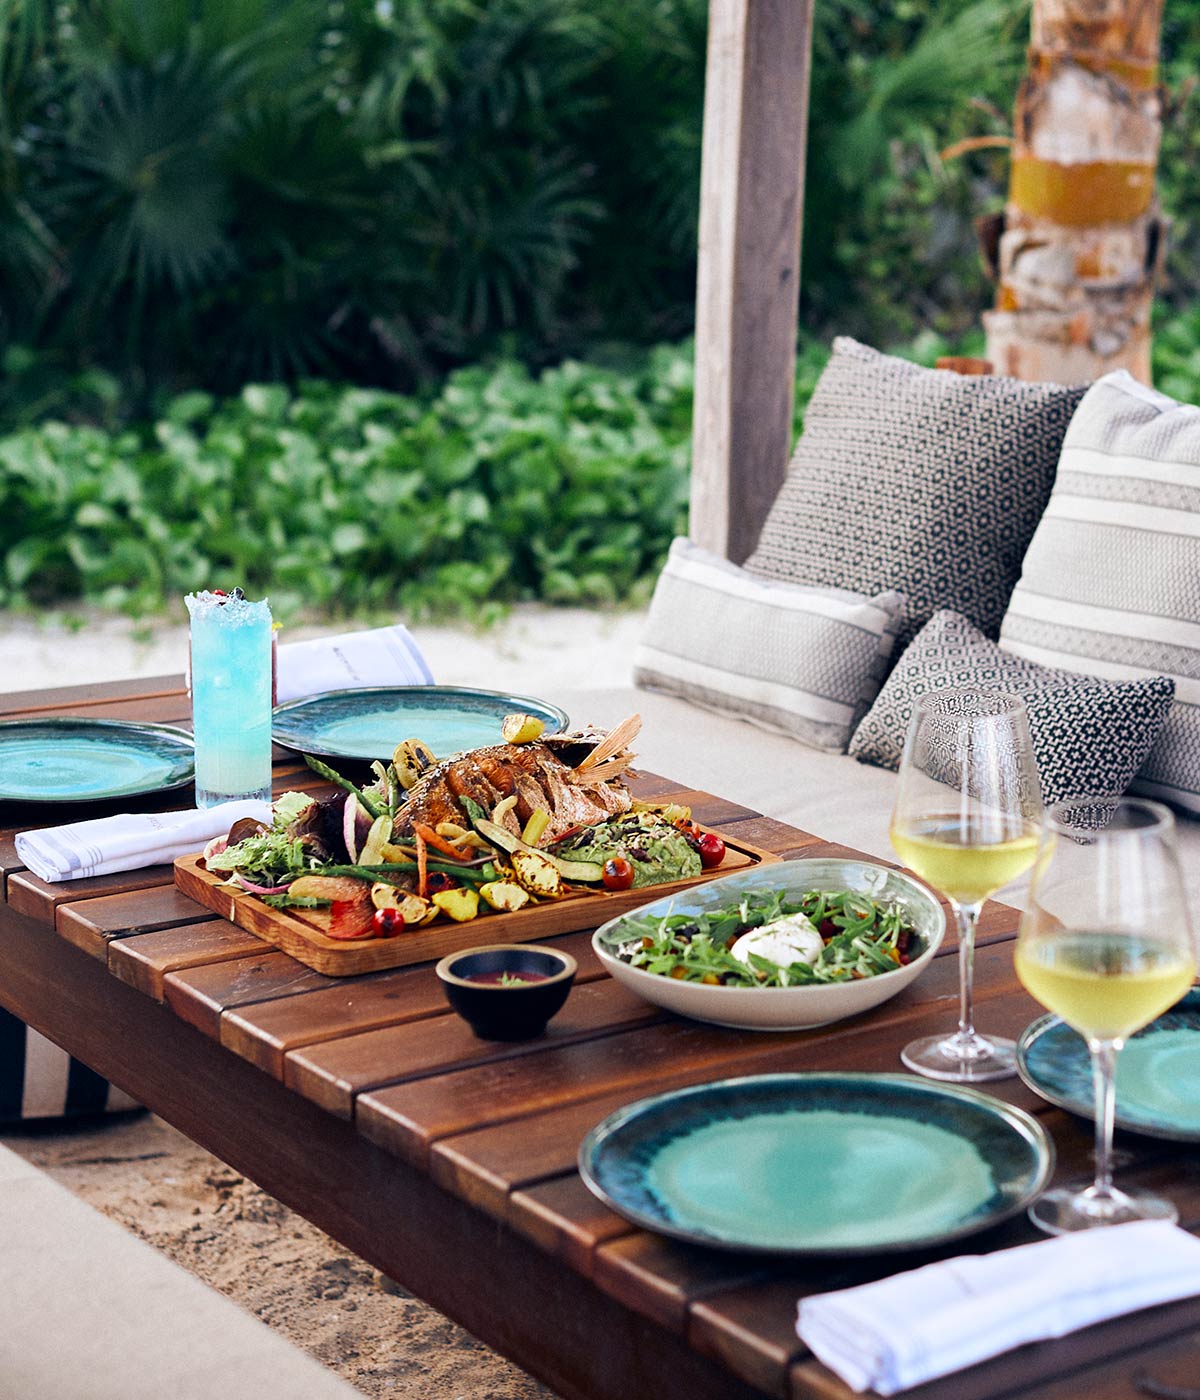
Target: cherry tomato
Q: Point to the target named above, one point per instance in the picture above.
(439, 880)
(618, 873)
(712, 850)
(388, 923)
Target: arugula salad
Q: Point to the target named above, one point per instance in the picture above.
(768, 940)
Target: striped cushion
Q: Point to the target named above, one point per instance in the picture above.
(39, 1080)
(802, 661)
(1111, 582)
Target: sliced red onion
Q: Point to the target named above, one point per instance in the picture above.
(259, 889)
(216, 846)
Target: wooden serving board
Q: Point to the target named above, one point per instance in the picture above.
(301, 932)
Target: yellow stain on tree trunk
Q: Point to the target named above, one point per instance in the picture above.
(1093, 192)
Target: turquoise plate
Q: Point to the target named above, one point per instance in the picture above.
(368, 724)
(1158, 1072)
(818, 1163)
(86, 760)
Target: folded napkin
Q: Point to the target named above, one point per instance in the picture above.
(128, 842)
(383, 656)
(913, 1327)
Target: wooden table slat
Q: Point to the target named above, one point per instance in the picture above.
(47, 701)
(146, 959)
(39, 899)
(566, 1219)
(200, 995)
(594, 1011)
(92, 924)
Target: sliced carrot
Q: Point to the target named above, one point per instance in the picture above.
(439, 843)
(422, 865)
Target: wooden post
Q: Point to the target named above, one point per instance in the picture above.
(748, 288)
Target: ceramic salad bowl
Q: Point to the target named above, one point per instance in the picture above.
(779, 1008)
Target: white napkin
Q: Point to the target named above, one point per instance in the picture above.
(128, 842)
(913, 1327)
(383, 656)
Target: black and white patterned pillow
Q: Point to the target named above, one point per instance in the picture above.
(918, 480)
(1090, 736)
(39, 1081)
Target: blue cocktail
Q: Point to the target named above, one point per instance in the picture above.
(231, 696)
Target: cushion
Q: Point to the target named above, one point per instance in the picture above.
(1111, 583)
(805, 662)
(38, 1080)
(920, 480)
(1090, 736)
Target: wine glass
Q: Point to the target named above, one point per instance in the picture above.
(966, 821)
(1105, 944)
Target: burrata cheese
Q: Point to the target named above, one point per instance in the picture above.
(792, 939)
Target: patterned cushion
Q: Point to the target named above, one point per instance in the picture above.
(927, 482)
(1111, 583)
(39, 1080)
(805, 662)
(1090, 736)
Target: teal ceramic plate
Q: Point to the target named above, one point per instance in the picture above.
(86, 760)
(1158, 1072)
(818, 1163)
(368, 724)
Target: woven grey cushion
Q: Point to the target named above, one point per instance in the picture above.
(805, 662)
(1090, 736)
(1111, 582)
(927, 482)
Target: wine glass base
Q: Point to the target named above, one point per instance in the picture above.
(961, 1060)
(1070, 1208)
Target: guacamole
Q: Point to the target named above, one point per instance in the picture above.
(658, 851)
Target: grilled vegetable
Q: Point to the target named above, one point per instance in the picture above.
(521, 729)
(577, 871)
(335, 888)
(412, 908)
(535, 827)
(352, 918)
(412, 760)
(461, 905)
(387, 923)
(537, 873)
(378, 838)
(504, 895)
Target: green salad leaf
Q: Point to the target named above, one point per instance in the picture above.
(863, 937)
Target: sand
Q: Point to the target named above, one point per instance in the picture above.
(165, 1189)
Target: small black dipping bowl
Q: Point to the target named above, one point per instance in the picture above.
(514, 1012)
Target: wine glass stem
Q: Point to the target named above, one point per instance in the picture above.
(1104, 1070)
(968, 917)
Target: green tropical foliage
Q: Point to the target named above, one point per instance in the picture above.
(204, 192)
(567, 486)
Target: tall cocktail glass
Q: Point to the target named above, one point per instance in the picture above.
(231, 696)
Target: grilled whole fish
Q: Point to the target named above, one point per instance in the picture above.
(580, 795)
(537, 776)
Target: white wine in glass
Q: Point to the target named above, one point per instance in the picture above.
(966, 820)
(1105, 944)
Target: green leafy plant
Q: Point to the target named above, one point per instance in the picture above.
(567, 486)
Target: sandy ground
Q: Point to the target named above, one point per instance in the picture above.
(535, 650)
(168, 1191)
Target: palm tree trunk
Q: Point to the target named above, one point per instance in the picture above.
(1083, 237)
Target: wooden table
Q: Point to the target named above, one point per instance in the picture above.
(449, 1162)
